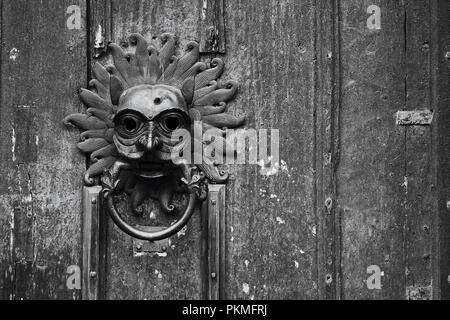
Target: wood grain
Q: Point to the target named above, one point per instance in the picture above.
(371, 175)
(43, 65)
(353, 189)
(271, 229)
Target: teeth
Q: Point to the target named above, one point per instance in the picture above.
(186, 173)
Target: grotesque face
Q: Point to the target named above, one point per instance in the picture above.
(130, 136)
(146, 119)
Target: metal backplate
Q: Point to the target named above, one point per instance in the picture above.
(142, 247)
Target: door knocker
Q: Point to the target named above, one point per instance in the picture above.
(134, 109)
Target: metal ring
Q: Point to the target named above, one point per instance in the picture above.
(151, 236)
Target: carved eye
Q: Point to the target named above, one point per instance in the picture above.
(172, 122)
(128, 125)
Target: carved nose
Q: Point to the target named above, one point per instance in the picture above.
(150, 142)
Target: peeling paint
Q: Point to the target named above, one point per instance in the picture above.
(161, 255)
(267, 168)
(158, 274)
(11, 236)
(245, 288)
(14, 54)
(350, 83)
(13, 144)
(98, 37)
(284, 168)
(405, 184)
(182, 232)
(204, 9)
(280, 221)
(419, 293)
(313, 230)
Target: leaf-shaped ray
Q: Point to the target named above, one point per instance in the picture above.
(91, 145)
(101, 74)
(188, 60)
(105, 152)
(141, 52)
(195, 115)
(165, 198)
(107, 134)
(207, 127)
(98, 168)
(93, 100)
(102, 115)
(193, 71)
(120, 61)
(154, 70)
(117, 88)
(213, 173)
(218, 96)
(137, 197)
(212, 86)
(112, 70)
(168, 50)
(209, 110)
(135, 75)
(170, 70)
(101, 90)
(209, 75)
(227, 148)
(224, 120)
(85, 121)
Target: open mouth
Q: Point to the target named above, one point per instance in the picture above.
(151, 169)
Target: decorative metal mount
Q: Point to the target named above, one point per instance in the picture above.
(134, 108)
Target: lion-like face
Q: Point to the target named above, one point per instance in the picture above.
(145, 122)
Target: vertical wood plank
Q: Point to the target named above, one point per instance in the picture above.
(176, 273)
(441, 135)
(420, 186)
(212, 27)
(327, 98)
(271, 225)
(43, 63)
(371, 175)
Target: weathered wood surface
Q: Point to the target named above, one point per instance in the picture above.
(386, 186)
(272, 229)
(42, 66)
(353, 188)
(441, 138)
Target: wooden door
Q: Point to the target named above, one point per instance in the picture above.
(355, 209)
